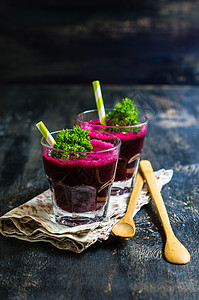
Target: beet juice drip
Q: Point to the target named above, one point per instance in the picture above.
(77, 185)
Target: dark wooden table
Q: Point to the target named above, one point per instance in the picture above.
(117, 268)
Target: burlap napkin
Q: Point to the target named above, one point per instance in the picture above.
(34, 221)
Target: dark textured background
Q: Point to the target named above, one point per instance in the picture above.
(50, 51)
(124, 42)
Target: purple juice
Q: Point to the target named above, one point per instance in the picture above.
(131, 146)
(81, 184)
(129, 149)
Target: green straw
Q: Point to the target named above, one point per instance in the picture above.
(99, 102)
(46, 134)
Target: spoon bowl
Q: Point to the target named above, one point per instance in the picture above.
(125, 227)
(175, 252)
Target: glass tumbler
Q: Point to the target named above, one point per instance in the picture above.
(132, 142)
(81, 184)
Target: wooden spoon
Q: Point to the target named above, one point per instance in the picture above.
(174, 251)
(125, 227)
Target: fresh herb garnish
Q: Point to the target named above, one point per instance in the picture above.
(76, 139)
(124, 114)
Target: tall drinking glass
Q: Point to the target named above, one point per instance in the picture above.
(81, 184)
(132, 142)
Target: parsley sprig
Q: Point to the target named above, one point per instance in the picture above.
(76, 139)
(124, 114)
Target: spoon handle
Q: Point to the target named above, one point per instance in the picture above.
(147, 171)
(139, 182)
(174, 251)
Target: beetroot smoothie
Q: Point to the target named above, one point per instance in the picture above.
(81, 185)
(131, 147)
(132, 143)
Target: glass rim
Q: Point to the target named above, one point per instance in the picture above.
(81, 152)
(111, 126)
